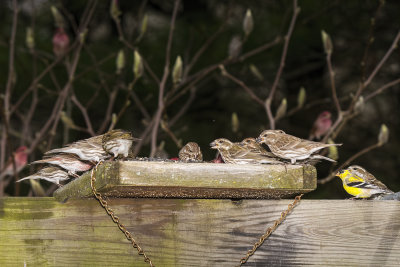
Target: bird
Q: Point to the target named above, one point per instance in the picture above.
(118, 142)
(69, 162)
(20, 158)
(251, 144)
(60, 42)
(190, 152)
(361, 184)
(321, 125)
(235, 153)
(290, 147)
(90, 149)
(52, 174)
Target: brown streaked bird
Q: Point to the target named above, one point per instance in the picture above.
(69, 162)
(118, 142)
(251, 144)
(290, 147)
(190, 152)
(52, 174)
(235, 153)
(90, 149)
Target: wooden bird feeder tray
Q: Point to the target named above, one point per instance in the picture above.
(167, 179)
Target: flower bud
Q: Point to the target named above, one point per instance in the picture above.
(281, 111)
(177, 70)
(383, 136)
(235, 122)
(235, 47)
(301, 97)
(327, 42)
(359, 106)
(248, 23)
(30, 38)
(58, 18)
(68, 122)
(120, 62)
(137, 65)
(115, 12)
(333, 151)
(254, 70)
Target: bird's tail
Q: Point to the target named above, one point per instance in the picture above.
(316, 156)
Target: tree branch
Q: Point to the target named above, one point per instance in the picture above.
(163, 82)
(268, 101)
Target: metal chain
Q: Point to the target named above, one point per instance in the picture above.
(270, 230)
(115, 218)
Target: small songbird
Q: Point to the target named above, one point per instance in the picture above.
(287, 146)
(52, 174)
(60, 42)
(235, 153)
(90, 149)
(118, 142)
(361, 184)
(251, 144)
(190, 152)
(68, 162)
(20, 158)
(321, 126)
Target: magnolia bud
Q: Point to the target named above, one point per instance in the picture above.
(143, 28)
(333, 151)
(115, 12)
(254, 70)
(359, 106)
(120, 62)
(177, 70)
(58, 18)
(235, 122)
(327, 42)
(30, 38)
(248, 23)
(281, 111)
(383, 136)
(68, 122)
(301, 97)
(137, 65)
(235, 47)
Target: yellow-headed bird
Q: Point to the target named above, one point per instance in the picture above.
(361, 184)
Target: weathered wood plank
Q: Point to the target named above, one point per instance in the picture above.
(193, 232)
(193, 180)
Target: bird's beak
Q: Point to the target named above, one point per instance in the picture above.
(213, 145)
(136, 139)
(339, 173)
(259, 139)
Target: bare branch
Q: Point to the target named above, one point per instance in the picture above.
(381, 89)
(268, 101)
(163, 82)
(241, 84)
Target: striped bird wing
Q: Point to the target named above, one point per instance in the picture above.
(355, 181)
(369, 178)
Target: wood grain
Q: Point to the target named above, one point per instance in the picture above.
(193, 180)
(194, 232)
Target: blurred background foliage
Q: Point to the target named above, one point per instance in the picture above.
(212, 100)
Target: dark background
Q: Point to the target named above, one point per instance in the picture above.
(209, 115)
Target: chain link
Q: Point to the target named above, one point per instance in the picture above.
(115, 218)
(270, 230)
